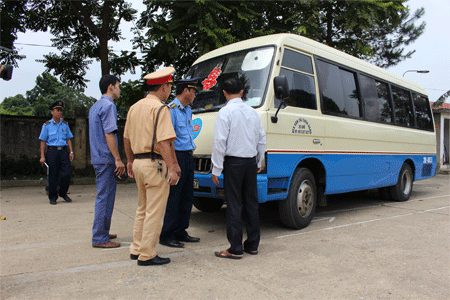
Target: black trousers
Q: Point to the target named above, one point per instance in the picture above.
(59, 166)
(242, 203)
(179, 203)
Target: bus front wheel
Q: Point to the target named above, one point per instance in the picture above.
(402, 190)
(208, 204)
(298, 209)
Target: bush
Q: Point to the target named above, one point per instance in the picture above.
(23, 167)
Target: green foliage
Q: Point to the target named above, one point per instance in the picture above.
(82, 30)
(373, 30)
(178, 32)
(130, 93)
(24, 166)
(16, 105)
(13, 19)
(38, 100)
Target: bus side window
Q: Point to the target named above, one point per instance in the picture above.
(338, 90)
(376, 99)
(402, 106)
(297, 68)
(302, 90)
(423, 112)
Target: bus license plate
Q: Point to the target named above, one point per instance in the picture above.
(196, 185)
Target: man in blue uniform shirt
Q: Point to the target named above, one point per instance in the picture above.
(181, 196)
(106, 159)
(55, 136)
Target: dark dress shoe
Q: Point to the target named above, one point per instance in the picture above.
(53, 202)
(67, 199)
(155, 261)
(134, 257)
(189, 239)
(172, 243)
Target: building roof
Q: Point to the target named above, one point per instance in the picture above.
(445, 107)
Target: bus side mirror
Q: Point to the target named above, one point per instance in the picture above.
(281, 87)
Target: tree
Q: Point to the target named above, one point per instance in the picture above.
(38, 100)
(16, 105)
(13, 18)
(84, 27)
(179, 31)
(372, 30)
(48, 90)
(130, 93)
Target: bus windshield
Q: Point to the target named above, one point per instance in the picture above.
(251, 66)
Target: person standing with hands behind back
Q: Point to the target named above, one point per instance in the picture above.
(238, 149)
(106, 159)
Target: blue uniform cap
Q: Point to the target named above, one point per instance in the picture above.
(189, 83)
(57, 104)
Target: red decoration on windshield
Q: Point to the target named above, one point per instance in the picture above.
(212, 79)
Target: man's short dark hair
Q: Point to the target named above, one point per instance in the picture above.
(154, 87)
(180, 88)
(106, 81)
(232, 86)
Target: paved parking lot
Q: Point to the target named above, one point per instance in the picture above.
(359, 247)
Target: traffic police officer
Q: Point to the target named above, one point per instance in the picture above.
(148, 137)
(55, 136)
(181, 196)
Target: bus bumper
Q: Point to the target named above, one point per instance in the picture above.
(204, 187)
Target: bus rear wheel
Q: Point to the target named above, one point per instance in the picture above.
(402, 190)
(298, 209)
(208, 204)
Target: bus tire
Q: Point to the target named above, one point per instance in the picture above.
(208, 204)
(298, 209)
(402, 190)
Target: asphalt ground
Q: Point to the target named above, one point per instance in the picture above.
(358, 247)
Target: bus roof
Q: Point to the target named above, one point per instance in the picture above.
(315, 48)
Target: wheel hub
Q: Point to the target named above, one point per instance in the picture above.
(304, 198)
(406, 182)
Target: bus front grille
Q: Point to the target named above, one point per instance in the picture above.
(203, 164)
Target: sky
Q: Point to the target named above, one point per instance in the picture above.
(432, 54)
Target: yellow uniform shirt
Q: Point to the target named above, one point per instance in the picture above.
(139, 126)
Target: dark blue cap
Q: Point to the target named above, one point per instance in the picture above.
(189, 83)
(57, 104)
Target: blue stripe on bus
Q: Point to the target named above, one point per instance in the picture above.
(344, 172)
(351, 172)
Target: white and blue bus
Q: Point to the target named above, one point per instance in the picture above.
(334, 124)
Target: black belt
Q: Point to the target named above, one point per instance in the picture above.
(147, 155)
(185, 151)
(57, 147)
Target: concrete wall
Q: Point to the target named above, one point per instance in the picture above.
(19, 136)
(442, 124)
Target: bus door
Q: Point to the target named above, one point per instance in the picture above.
(298, 131)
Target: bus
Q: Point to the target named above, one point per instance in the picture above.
(334, 124)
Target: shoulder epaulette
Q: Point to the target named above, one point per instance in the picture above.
(65, 122)
(173, 105)
(48, 122)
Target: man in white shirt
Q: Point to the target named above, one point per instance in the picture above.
(238, 150)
